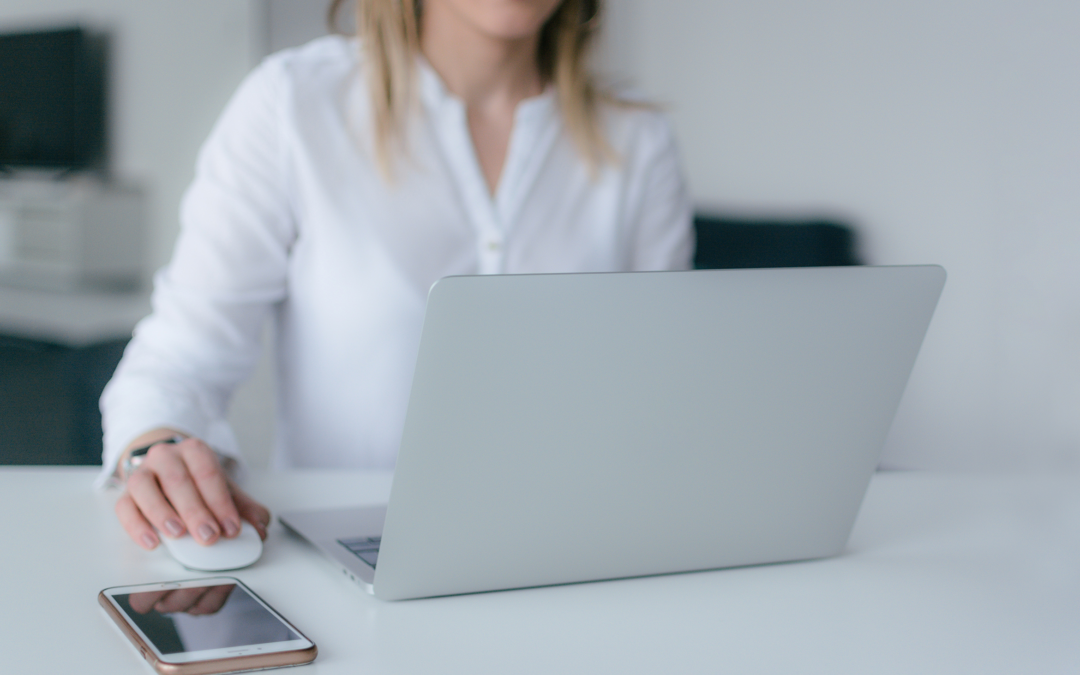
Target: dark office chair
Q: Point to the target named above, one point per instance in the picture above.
(725, 243)
(49, 400)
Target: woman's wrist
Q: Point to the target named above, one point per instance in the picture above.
(141, 445)
(133, 455)
(133, 458)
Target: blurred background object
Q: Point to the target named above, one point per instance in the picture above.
(739, 242)
(64, 225)
(72, 249)
(52, 99)
(57, 351)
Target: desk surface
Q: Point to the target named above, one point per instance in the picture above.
(943, 574)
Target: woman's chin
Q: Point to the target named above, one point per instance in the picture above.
(509, 20)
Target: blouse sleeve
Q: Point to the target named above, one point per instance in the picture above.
(228, 269)
(663, 235)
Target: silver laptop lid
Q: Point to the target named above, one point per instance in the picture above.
(577, 427)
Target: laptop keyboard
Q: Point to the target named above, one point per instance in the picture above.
(365, 548)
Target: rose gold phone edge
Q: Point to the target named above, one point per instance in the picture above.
(297, 657)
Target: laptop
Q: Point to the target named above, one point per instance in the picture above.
(578, 427)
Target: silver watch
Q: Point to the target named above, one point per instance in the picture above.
(136, 457)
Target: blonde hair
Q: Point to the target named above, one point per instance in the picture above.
(389, 33)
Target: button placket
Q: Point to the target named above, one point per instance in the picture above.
(491, 243)
(470, 180)
(533, 136)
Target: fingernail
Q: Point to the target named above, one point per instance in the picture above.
(174, 527)
(149, 541)
(231, 528)
(205, 532)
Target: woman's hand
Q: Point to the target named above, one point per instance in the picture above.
(194, 601)
(182, 487)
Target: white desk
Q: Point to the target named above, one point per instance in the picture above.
(944, 574)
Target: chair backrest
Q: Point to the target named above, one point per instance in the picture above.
(726, 243)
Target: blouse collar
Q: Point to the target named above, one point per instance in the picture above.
(435, 95)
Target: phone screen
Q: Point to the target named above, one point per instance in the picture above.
(202, 618)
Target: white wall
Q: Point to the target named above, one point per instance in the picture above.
(948, 131)
(293, 22)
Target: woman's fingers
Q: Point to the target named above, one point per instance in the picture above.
(211, 483)
(178, 486)
(182, 488)
(144, 602)
(211, 601)
(180, 600)
(145, 493)
(133, 522)
(251, 510)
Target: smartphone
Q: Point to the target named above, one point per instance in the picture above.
(205, 626)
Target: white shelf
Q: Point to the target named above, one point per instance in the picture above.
(74, 319)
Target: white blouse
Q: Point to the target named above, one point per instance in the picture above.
(288, 218)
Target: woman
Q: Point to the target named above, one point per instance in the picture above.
(342, 180)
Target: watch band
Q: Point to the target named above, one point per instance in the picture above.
(136, 457)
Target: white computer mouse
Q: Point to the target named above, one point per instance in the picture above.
(224, 554)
